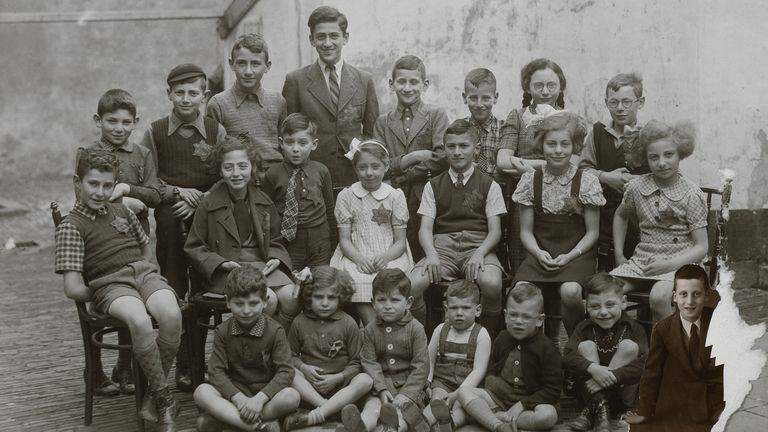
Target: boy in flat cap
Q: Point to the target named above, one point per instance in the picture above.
(180, 144)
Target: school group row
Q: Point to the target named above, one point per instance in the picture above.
(257, 185)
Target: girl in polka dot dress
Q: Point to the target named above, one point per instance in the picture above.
(372, 218)
(672, 214)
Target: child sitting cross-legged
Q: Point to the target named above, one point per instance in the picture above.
(525, 372)
(394, 354)
(606, 354)
(458, 354)
(325, 342)
(250, 367)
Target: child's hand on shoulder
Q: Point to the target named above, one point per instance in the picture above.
(191, 196)
(546, 261)
(386, 396)
(474, 266)
(119, 191)
(658, 266)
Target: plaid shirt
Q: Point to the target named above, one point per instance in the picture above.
(70, 249)
(489, 144)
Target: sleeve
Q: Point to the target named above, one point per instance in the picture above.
(650, 383)
(630, 194)
(631, 373)
(510, 132)
(428, 207)
(291, 94)
(218, 366)
(343, 211)
(523, 194)
(165, 190)
(380, 134)
(574, 362)
(370, 362)
(417, 379)
(588, 155)
(326, 184)
(281, 362)
(70, 249)
(399, 210)
(294, 341)
(354, 342)
(591, 193)
(438, 131)
(283, 114)
(371, 107)
(277, 242)
(494, 204)
(494, 364)
(214, 111)
(148, 191)
(221, 134)
(196, 247)
(551, 379)
(696, 213)
(135, 229)
(272, 186)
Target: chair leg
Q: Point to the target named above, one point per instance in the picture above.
(194, 349)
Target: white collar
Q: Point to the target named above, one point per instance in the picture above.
(687, 326)
(379, 194)
(467, 174)
(608, 123)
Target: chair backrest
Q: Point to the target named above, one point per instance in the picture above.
(716, 224)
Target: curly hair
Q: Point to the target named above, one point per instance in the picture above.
(244, 281)
(230, 144)
(682, 134)
(95, 159)
(253, 42)
(536, 65)
(324, 277)
(576, 126)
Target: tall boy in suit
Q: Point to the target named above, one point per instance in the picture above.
(337, 96)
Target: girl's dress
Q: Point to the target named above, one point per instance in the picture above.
(372, 218)
(666, 216)
(558, 203)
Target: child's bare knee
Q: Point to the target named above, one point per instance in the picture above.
(629, 347)
(419, 281)
(139, 323)
(203, 393)
(363, 380)
(587, 347)
(570, 292)
(546, 416)
(660, 296)
(287, 397)
(465, 394)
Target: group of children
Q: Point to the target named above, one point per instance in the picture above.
(261, 185)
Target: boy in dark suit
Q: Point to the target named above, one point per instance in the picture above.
(340, 98)
(681, 388)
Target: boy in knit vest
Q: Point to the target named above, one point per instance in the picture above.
(104, 257)
(461, 213)
(611, 155)
(247, 107)
(180, 144)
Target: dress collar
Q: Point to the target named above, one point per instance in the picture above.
(676, 192)
(563, 179)
(174, 122)
(256, 330)
(379, 194)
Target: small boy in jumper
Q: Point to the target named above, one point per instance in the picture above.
(606, 354)
(611, 154)
(461, 213)
(458, 354)
(413, 133)
(303, 194)
(247, 107)
(250, 369)
(525, 374)
(104, 257)
(180, 144)
(394, 354)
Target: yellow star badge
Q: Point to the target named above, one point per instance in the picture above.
(381, 215)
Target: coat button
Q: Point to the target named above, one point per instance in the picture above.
(392, 361)
(390, 347)
(517, 362)
(656, 203)
(518, 347)
(517, 379)
(674, 240)
(388, 329)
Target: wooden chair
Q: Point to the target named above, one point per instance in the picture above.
(716, 226)
(93, 326)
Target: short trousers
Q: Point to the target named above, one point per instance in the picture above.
(311, 247)
(139, 279)
(455, 249)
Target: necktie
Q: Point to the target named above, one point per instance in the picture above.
(333, 84)
(459, 181)
(694, 348)
(288, 226)
(243, 220)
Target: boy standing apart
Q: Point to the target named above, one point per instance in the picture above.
(460, 227)
(303, 194)
(337, 96)
(480, 96)
(413, 134)
(104, 257)
(681, 386)
(606, 354)
(250, 366)
(611, 155)
(247, 107)
(394, 354)
(525, 374)
(136, 188)
(180, 144)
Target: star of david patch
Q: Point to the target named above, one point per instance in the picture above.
(202, 150)
(572, 205)
(120, 224)
(381, 215)
(667, 217)
(473, 200)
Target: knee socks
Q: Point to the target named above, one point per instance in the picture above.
(150, 362)
(167, 352)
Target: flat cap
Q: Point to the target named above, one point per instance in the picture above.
(184, 71)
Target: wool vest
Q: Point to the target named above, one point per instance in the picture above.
(180, 160)
(609, 158)
(461, 209)
(108, 243)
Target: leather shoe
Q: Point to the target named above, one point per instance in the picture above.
(124, 380)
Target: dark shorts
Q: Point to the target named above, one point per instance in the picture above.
(138, 279)
(311, 247)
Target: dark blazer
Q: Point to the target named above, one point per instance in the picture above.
(305, 91)
(670, 389)
(213, 238)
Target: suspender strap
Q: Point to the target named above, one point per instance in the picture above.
(538, 180)
(472, 345)
(443, 336)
